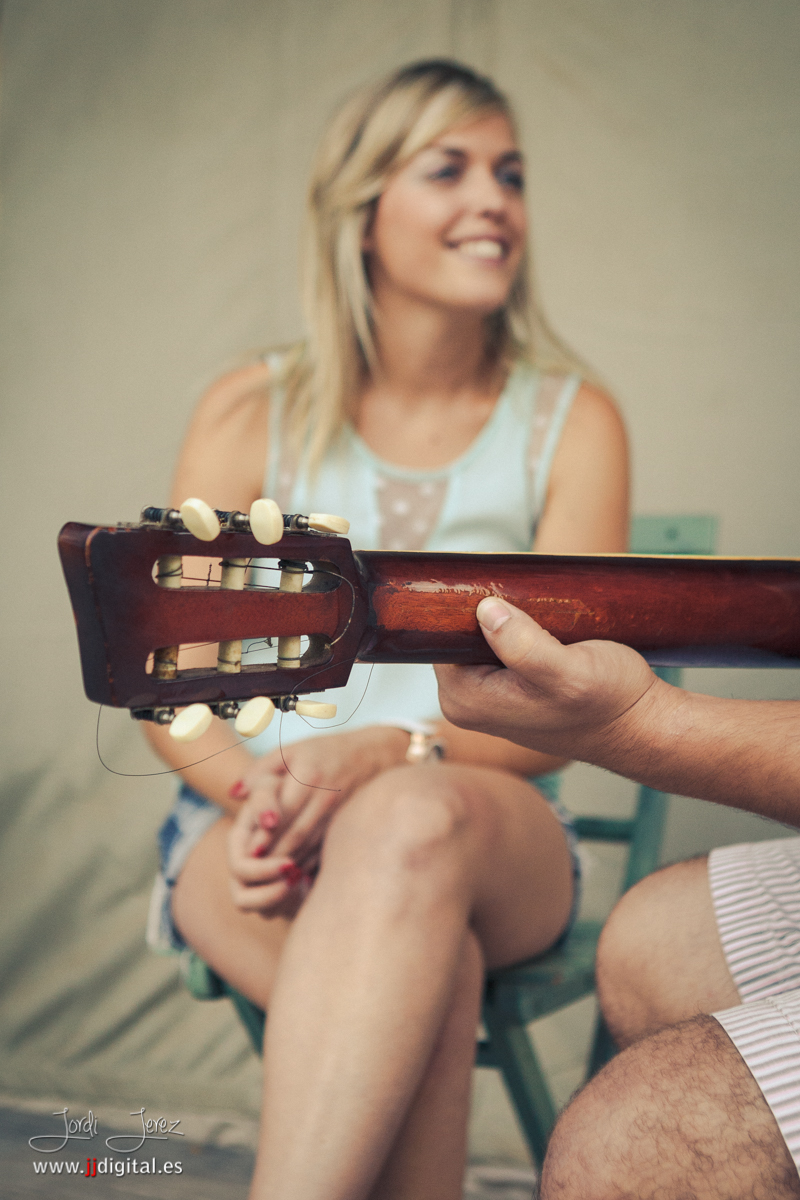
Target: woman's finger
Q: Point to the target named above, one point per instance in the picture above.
(250, 871)
(256, 822)
(259, 899)
(308, 827)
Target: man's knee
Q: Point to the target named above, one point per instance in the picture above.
(677, 1115)
(659, 958)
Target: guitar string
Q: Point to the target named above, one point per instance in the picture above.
(225, 749)
(198, 645)
(322, 787)
(318, 786)
(260, 587)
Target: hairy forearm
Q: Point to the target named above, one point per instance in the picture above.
(736, 752)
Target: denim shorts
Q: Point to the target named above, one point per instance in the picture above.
(192, 815)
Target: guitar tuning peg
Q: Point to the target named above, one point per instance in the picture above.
(200, 519)
(254, 716)
(191, 723)
(266, 521)
(327, 523)
(315, 708)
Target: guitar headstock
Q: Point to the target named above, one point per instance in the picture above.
(286, 608)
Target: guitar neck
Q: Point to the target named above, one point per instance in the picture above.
(378, 606)
(678, 611)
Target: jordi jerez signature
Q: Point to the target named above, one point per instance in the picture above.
(84, 1129)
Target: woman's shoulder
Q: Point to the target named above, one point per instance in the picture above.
(242, 395)
(235, 397)
(594, 413)
(225, 447)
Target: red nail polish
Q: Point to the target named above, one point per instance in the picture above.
(238, 791)
(291, 873)
(261, 852)
(268, 819)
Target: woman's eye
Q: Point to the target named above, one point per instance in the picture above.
(511, 177)
(451, 171)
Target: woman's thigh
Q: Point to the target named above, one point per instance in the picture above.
(506, 848)
(525, 878)
(244, 948)
(485, 834)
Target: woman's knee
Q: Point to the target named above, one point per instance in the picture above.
(409, 816)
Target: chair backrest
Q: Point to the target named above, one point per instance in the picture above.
(643, 831)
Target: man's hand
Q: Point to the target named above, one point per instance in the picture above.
(549, 697)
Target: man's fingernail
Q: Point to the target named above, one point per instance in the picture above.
(238, 790)
(268, 820)
(492, 613)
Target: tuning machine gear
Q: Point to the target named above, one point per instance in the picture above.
(251, 718)
(265, 521)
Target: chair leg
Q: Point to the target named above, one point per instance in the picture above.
(251, 1016)
(603, 1048)
(511, 1049)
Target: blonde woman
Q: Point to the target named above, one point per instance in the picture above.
(421, 408)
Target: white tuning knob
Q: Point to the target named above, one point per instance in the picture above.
(315, 708)
(200, 519)
(325, 523)
(254, 717)
(191, 723)
(266, 522)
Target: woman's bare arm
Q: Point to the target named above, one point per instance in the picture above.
(587, 501)
(221, 461)
(586, 512)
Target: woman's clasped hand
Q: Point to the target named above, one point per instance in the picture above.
(289, 798)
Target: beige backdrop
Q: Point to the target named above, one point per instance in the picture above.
(154, 157)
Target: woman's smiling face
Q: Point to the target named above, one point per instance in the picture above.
(449, 230)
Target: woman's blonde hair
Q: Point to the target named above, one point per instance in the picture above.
(371, 136)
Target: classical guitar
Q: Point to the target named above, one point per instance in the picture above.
(294, 587)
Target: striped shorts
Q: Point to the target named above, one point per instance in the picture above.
(756, 894)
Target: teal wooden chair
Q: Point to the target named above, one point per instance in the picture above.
(515, 996)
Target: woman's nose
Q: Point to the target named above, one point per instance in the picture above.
(486, 194)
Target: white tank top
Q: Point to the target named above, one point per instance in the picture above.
(489, 500)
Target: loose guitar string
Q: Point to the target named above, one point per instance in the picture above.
(225, 749)
(319, 786)
(198, 645)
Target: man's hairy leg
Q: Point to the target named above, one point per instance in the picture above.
(678, 1116)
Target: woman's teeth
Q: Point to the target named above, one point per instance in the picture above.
(482, 248)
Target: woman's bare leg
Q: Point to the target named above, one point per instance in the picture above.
(365, 990)
(244, 948)
(430, 1150)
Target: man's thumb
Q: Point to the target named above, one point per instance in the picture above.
(492, 613)
(515, 637)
